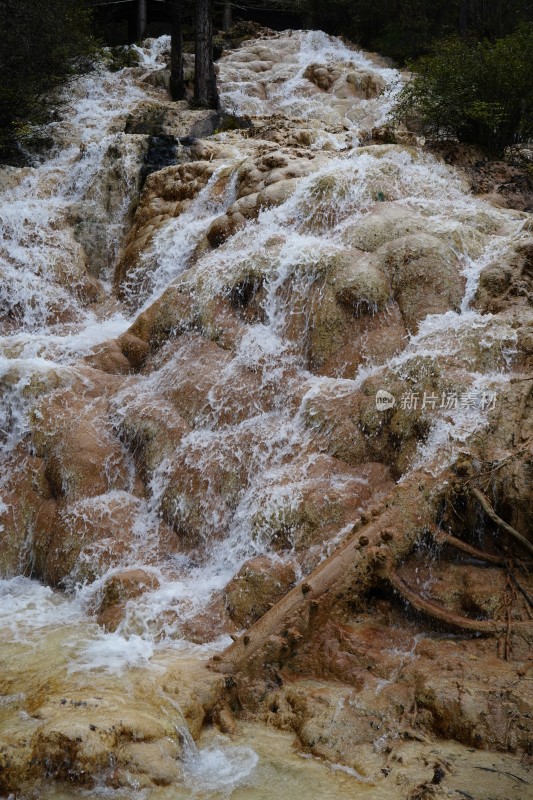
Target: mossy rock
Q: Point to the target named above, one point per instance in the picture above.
(117, 58)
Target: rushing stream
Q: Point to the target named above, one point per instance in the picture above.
(246, 448)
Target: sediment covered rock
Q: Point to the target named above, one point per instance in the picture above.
(305, 411)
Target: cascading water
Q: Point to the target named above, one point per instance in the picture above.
(219, 442)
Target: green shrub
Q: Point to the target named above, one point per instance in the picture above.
(480, 93)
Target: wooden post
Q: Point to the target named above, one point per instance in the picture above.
(226, 15)
(177, 83)
(205, 81)
(141, 19)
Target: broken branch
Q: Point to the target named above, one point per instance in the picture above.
(489, 511)
(480, 555)
(436, 611)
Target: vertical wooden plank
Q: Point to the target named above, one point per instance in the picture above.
(141, 18)
(226, 15)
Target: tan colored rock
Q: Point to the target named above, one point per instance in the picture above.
(156, 761)
(365, 84)
(220, 318)
(73, 724)
(259, 584)
(223, 227)
(507, 282)
(202, 489)
(135, 350)
(360, 285)
(210, 624)
(384, 223)
(316, 501)
(425, 276)
(10, 176)
(166, 195)
(22, 497)
(72, 747)
(171, 314)
(81, 541)
(109, 201)
(200, 379)
(73, 434)
(351, 428)
(117, 590)
(275, 192)
(321, 76)
(193, 367)
(344, 317)
(109, 357)
(151, 428)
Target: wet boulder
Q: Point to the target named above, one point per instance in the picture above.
(79, 542)
(122, 586)
(83, 456)
(310, 502)
(425, 276)
(23, 495)
(258, 585)
(507, 282)
(151, 428)
(171, 314)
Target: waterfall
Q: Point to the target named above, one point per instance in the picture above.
(265, 277)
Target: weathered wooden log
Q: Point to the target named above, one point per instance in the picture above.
(368, 556)
(356, 565)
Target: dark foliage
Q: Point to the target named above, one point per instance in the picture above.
(478, 92)
(43, 44)
(406, 29)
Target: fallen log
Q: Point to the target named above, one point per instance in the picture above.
(368, 556)
(356, 565)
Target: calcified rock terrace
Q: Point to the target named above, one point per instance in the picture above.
(194, 449)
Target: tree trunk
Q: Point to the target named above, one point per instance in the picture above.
(226, 16)
(205, 83)
(177, 82)
(141, 18)
(463, 18)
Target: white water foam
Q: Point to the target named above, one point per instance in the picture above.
(268, 441)
(219, 767)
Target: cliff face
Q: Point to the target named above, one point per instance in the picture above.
(291, 341)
